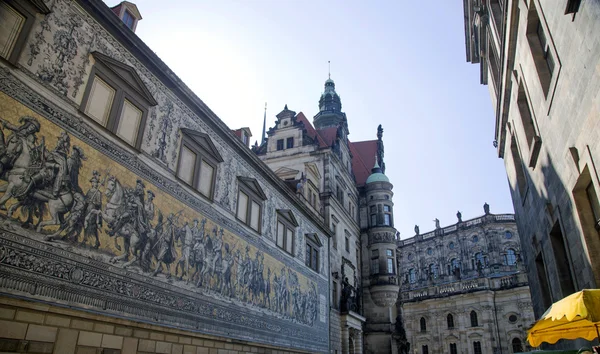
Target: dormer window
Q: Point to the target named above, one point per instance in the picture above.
(128, 19)
(128, 13)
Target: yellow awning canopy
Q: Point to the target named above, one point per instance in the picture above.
(575, 316)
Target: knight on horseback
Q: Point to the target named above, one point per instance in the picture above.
(12, 147)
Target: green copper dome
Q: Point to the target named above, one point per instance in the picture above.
(377, 175)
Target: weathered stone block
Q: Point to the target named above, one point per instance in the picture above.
(41, 333)
(30, 317)
(66, 342)
(157, 336)
(82, 325)
(104, 328)
(123, 331)
(163, 347)
(130, 346)
(147, 345)
(89, 339)
(112, 341)
(58, 321)
(15, 330)
(7, 313)
(177, 349)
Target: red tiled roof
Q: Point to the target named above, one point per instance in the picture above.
(117, 9)
(363, 159)
(310, 130)
(328, 135)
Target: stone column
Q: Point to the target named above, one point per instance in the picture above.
(358, 342)
(345, 339)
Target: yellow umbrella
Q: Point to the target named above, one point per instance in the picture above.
(575, 316)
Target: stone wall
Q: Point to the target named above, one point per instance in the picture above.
(27, 327)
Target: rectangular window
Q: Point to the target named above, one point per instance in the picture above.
(196, 166)
(334, 229)
(206, 179)
(289, 143)
(187, 165)
(542, 51)
(532, 137)
(16, 20)
(11, 25)
(561, 260)
(279, 144)
(129, 123)
(424, 349)
(285, 234)
(543, 280)
(242, 209)
(390, 266)
(347, 244)
(374, 262)
(128, 19)
(118, 102)
(100, 101)
(312, 257)
(387, 220)
(255, 216)
(249, 204)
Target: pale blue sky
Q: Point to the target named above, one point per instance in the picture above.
(396, 63)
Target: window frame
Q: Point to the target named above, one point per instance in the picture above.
(477, 347)
(252, 190)
(29, 11)
(287, 219)
(105, 68)
(279, 145)
(129, 15)
(289, 141)
(203, 154)
(423, 325)
(313, 247)
(375, 262)
(450, 321)
(474, 319)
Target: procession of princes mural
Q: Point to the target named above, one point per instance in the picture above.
(45, 196)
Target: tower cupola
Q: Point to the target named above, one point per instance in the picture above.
(330, 108)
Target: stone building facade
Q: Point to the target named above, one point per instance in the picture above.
(331, 175)
(133, 219)
(464, 288)
(540, 61)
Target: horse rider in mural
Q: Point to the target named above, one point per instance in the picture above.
(135, 212)
(54, 172)
(11, 147)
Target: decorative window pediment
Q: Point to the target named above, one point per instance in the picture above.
(127, 74)
(252, 185)
(314, 238)
(286, 173)
(203, 140)
(288, 216)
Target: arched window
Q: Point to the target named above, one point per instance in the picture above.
(423, 324)
(454, 264)
(510, 258)
(433, 271)
(450, 320)
(516, 345)
(474, 319)
(478, 259)
(412, 276)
